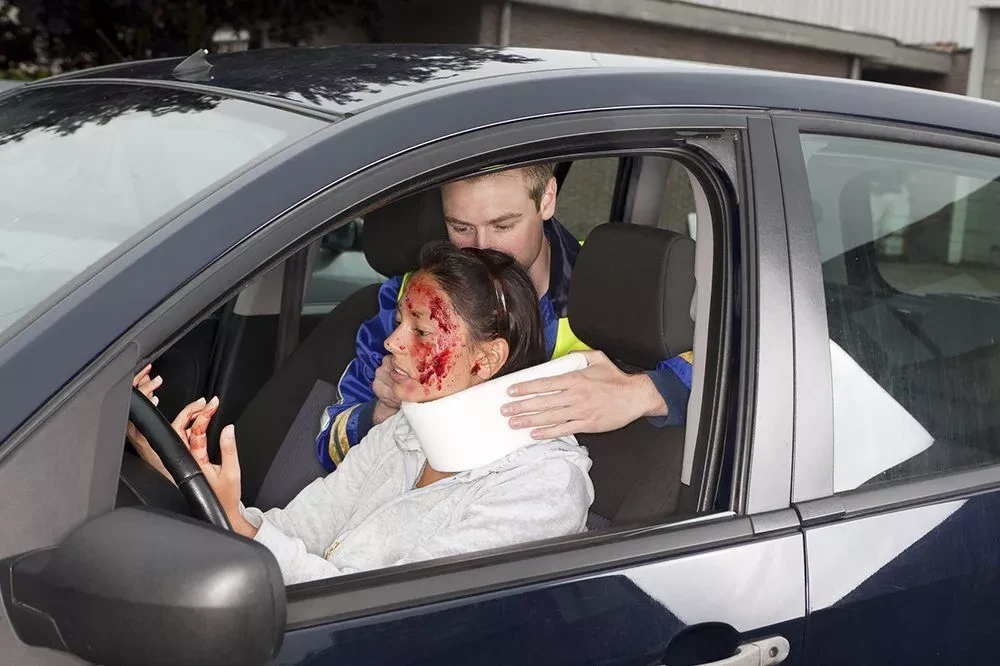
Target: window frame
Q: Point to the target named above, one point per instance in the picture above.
(284, 236)
(813, 455)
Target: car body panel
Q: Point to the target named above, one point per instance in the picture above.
(628, 616)
(914, 586)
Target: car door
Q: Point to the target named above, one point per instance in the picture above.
(897, 480)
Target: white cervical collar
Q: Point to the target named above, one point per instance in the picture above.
(466, 430)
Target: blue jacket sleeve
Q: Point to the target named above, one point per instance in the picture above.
(672, 379)
(346, 423)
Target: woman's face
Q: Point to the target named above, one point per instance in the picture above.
(430, 353)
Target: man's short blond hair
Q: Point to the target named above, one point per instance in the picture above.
(536, 177)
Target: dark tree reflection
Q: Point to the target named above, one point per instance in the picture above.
(65, 110)
(337, 78)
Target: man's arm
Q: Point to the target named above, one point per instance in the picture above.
(346, 423)
(601, 398)
(672, 380)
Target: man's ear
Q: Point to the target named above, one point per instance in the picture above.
(547, 206)
(492, 356)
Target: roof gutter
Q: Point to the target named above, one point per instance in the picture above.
(669, 13)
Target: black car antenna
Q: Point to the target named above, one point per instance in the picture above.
(195, 67)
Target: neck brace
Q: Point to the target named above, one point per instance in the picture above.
(466, 430)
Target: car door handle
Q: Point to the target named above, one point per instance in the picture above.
(765, 652)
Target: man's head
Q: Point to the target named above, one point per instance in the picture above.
(502, 210)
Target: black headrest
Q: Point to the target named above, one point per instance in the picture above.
(631, 293)
(394, 234)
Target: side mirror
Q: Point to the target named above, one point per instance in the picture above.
(138, 586)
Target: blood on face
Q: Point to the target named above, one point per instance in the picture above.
(435, 358)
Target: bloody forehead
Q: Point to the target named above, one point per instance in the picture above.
(425, 297)
(433, 359)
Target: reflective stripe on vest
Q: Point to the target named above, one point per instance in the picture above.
(566, 340)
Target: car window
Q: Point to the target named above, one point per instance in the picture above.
(340, 269)
(677, 210)
(586, 195)
(584, 202)
(909, 237)
(85, 168)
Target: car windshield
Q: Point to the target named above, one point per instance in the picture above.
(86, 171)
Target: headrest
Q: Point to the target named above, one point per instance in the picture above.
(631, 293)
(395, 233)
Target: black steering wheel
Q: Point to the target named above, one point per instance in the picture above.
(177, 459)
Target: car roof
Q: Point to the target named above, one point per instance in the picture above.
(348, 79)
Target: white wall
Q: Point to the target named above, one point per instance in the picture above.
(908, 21)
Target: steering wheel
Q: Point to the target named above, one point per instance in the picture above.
(177, 460)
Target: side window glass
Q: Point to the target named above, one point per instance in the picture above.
(340, 269)
(586, 195)
(677, 211)
(909, 237)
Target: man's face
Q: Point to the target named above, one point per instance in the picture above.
(497, 213)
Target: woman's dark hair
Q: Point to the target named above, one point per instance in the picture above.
(493, 294)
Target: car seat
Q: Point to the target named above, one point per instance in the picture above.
(631, 298)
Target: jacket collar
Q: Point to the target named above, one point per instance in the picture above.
(564, 251)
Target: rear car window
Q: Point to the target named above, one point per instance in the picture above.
(909, 237)
(88, 170)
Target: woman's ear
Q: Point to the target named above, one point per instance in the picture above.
(491, 358)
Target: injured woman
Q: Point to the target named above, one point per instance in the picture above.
(434, 479)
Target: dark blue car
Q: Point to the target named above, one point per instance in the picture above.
(834, 497)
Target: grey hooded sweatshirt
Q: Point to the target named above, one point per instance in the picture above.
(367, 514)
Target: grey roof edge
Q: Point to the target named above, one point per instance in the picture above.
(757, 27)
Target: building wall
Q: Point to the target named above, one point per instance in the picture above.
(437, 22)
(908, 21)
(958, 81)
(537, 27)
(991, 73)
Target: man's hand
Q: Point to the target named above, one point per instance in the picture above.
(388, 403)
(599, 398)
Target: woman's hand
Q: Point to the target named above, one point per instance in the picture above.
(224, 478)
(181, 425)
(146, 385)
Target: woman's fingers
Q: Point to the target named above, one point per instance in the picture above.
(198, 445)
(142, 375)
(148, 386)
(204, 417)
(230, 458)
(183, 419)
